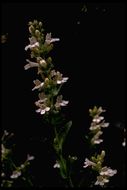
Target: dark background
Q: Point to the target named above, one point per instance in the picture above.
(91, 52)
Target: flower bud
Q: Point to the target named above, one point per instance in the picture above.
(37, 33)
(46, 81)
(31, 29)
(43, 63)
(40, 24)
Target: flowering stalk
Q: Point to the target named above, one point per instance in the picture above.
(49, 85)
(50, 102)
(103, 172)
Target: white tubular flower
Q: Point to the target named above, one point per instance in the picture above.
(97, 119)
(43, 110)
(15, 174)
(63, 80)
(42, 97)
(88, 163)
(30, 64)
(38, 84)
(104, 125)
(30, 157)
(33, 43)
(124, 143)
(94, 127)
(101, 180)
(50, 40)
(56, 165)
(107, 171)
(95, 139)
(98, 141)
(60, 102)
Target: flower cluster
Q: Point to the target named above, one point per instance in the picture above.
(104, 173)
(48, 85)
(51, 81)
(97, 124)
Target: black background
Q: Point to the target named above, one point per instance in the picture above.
(91, 52)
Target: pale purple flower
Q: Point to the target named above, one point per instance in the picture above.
(98, 141)
(97, 119)
(15, 174)
(101, 180)
(104, 125)
(33, 43)
(107, 171)
(88, 163)
(43, 110)
(63, 80)
(60, 102)
(30, 157)
(94, 127)
(50, 40)
(30, 64)
(38, 84)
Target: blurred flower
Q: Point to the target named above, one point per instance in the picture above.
(38, 84)
(15, 174)
(30, 157)
(63, 80)
(50, 40)
(95, 139)
(2, 174)
(107, 171)
(56, 165)
(97, 119)
(30, 64)
(88, 163)
(60, 102)
(101, 180)
(43, 108)
(33, 43)
(124, 143)
(57, 76)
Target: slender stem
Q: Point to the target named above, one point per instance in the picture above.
(70, 181)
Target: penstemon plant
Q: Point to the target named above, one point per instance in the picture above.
(49, 105)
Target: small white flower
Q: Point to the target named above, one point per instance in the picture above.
(101, 180)
(30, 157)
(95, 139)
(63, 80)
(88, 163)
(94, 127)
(50, 40)
(97, 119)
(30, 64)
(43, 110)
(15, 174)
(33, 43)
(104, 125)
(38, 84)
(64, 103)
(60, 102)
(56, 165)
(107, 171)
(124, 143)
(98, 141)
